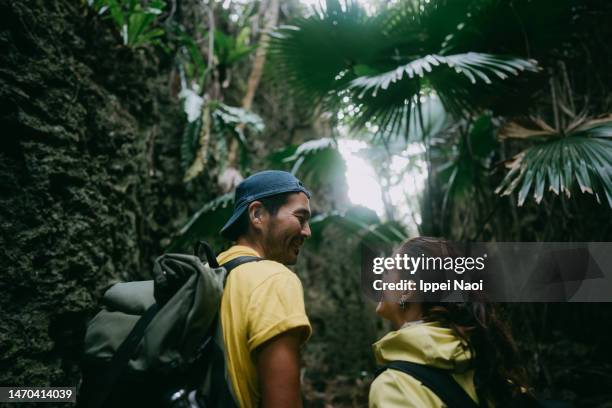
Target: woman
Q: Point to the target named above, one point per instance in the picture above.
(468, 340)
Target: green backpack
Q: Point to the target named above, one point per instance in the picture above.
(159, 343)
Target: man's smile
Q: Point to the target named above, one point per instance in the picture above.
(296, 245)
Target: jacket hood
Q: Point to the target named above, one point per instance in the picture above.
(424, 343)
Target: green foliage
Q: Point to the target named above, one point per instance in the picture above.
(232, 122)
(190, 58)
(462, 166)
(316, 161)
(385, 63)
(230, 117)
(205, 223)
(389, 66)
(135, 21)
(465, 165)
(359, 221)
(467, 53)
(389, 96)
(211, 123)
(227, 121)
(278, 158)
(230, 49)
(583, 156)
(190, 142)
(426, 122)
(316, 54)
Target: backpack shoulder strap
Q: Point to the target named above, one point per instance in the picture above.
(221, 394)
(234, 263)
(439, 381)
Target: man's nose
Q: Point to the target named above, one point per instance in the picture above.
(306, 233)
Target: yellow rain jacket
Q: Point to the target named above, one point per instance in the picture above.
(423, 343)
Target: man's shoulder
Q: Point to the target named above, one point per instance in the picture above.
(251, 275)
(264, 270)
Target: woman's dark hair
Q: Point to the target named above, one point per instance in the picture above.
(499, 374)
(272, 204)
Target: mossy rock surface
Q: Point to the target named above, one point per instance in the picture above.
(89, 176)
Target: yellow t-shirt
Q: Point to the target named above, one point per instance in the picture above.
(261, 300)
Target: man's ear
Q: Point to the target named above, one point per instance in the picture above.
(257, 214)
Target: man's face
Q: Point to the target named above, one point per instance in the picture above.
(284, 233)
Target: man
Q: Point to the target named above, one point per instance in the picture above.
(262, 309)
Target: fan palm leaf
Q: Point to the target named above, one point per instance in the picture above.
(583, 156)
(385, 63)
(316, 55)
(453, 78)
(309, 151)
(315, 162)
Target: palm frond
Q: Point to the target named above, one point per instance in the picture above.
(426, 121)
(583, 157)
(389, 96)
(316, 55)
(316, 161)
(310, 147)
(386, 63)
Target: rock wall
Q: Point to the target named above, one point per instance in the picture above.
(89, 178)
